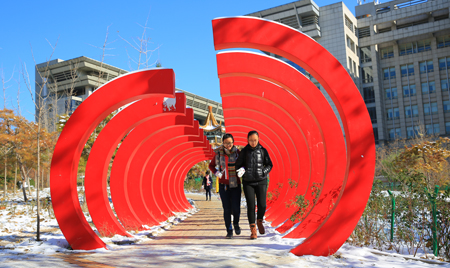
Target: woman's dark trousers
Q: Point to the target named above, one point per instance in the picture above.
(231, 203)
(260, 191)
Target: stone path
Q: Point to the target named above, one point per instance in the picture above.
(198, 241)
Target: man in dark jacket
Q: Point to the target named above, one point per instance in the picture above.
(207, 185)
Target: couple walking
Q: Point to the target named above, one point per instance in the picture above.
(249, 167)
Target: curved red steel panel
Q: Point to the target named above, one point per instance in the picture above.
(154, 185)
(96, 172)
(126, 173)
(291, 44)
(199, 145)
(99, 158)
(290, 79)
(293, 118)
(63, 174)
(181, 166)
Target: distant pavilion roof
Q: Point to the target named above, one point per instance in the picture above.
(211, 123)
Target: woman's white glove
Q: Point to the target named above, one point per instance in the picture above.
(240, 172)
(218, 174)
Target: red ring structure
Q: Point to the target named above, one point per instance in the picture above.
(254, 33)
(147, 89)
(158, 145)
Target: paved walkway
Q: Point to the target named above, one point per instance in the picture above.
(198, 241)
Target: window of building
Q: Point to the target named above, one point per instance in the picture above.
(446, 106)
(444, 85)
(434, 108)
(407, 69)
(393, 113)
(391, 134)
(429, 129)
(310, 20)
(441, 17)
(354, 68)
(364, 32)
(350, 65)
(444, 63)
(443, 41)
(375, 134)
(409, 91)
(414, 47)
(71, 105)
(369, 95)
(387, 52)
(366, 74)
(411, 69)
(398, 132)
(426, 108)
(426, 66)
(384, 30)
(414, 23)
(416, 130)
(405, 49)
(432, 129)
(424, 45)
(349, 23)
(290, 21)
(447, 127)
(79, 91)
(391, 93)
(365, 55)
(428, 87)
(372, 114)
(350, 44)
(395, 133)
(437, 129)
(390, 114)
(411, 111)
(410, 132)
(389, 73)
(430, 108)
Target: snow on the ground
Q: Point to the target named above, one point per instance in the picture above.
(18, 239)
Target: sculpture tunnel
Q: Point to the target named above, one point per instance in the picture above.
(330, 167)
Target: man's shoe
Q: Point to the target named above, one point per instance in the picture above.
(229, 234)
(237, 229)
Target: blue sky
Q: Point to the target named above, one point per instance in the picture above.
(181, 29)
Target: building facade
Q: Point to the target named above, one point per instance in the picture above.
(405, 57)
(398, 54)
(63, 85)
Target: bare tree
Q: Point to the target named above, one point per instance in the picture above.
(5, 149)
(104, 48)
(39, 105)
(142, 46)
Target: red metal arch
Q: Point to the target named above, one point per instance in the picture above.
(63, 174)
(132, 206)
(318, 109)
(291, 44)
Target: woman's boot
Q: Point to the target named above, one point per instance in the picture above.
(261, 226)
(253, 231)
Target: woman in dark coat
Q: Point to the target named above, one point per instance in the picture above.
(253, 165)
(207, 185)
(223, 166)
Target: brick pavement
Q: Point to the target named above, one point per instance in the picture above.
(198, 241)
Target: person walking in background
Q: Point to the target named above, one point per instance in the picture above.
(207, 185)
(253, 165)
(223, 166)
